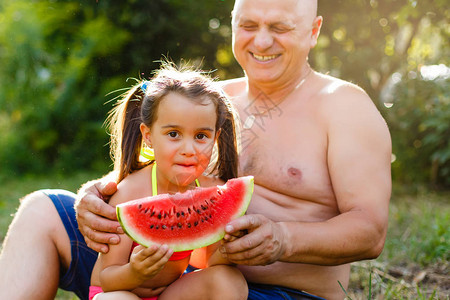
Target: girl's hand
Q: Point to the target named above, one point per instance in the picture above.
(147, 262)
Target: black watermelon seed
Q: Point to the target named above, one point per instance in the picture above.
(164, 227)
(178, 214)
(151, 226)
(195, 223)
(199, 211)
(157, 227)
(189, 225)
(159, 216)
(179, 225)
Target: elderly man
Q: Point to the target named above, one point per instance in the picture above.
(320, 154)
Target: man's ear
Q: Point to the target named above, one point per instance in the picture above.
(146, 135)
(317, 24)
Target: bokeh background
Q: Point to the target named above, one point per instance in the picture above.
(60, 62)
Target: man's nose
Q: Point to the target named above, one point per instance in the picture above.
(263, 39)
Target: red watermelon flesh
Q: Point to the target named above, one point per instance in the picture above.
(189, 220)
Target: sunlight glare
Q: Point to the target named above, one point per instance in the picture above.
(432, 72)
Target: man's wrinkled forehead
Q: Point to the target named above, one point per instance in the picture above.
(303, 6)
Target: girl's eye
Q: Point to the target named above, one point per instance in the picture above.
(173, 134)
(201, 136)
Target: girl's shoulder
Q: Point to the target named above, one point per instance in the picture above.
(134, 186)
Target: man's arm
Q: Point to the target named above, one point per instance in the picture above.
(359, 153)
(97, 220)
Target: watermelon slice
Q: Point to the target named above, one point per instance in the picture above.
(189, 220)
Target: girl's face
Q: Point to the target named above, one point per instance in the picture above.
(182, 137)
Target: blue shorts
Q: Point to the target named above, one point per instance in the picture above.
(77, 278)
(275, 292)
(271, 292)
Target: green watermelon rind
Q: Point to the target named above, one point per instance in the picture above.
(199, 242)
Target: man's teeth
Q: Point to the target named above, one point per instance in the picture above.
(264, 58)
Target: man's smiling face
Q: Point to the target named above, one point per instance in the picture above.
(271, 40)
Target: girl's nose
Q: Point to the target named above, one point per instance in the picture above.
(188, 148)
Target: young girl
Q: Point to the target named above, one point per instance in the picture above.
(184, 119)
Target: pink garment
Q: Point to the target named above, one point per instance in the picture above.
(94, 290)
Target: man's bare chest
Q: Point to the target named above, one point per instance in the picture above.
(287, 156)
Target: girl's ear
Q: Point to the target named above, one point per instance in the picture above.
(146, 135)
(217, 135)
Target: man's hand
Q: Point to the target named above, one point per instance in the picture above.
(262, 245)
(97, 220)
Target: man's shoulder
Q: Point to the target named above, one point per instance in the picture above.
(343, 100)
(333, 86)
(334, 91)
(233, 87)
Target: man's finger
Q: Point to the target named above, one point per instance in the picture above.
(100, 224)
(245, 243)
(99, 207)
(246, 222)
(100, 237)
(235, 235)
(103, 248)
(107, 188)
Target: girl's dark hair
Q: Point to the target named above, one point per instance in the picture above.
(140, 105)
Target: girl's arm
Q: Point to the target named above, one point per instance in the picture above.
(215, 257)
(120, 271)
(208, 256)
(144, 264)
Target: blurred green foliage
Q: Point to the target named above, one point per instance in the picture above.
(384, 46)
(60, 59)
(420, 124)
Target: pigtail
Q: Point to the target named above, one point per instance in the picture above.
(227, 161)
(126, 137)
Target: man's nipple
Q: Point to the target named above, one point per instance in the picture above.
(295, 173)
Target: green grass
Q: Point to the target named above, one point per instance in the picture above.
(415, 260)
(413, 265)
